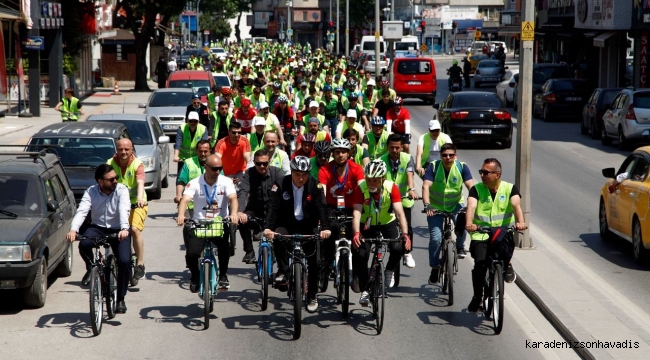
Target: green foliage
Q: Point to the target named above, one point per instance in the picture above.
(11, 65)
(69, 64)
(223, 29)
(73, 39)
(219, 27)
(359, 10)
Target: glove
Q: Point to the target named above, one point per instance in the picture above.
(356, 240)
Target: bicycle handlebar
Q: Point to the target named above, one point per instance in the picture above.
(381, 240)
(411, 197)
(99, 240)
(446, 213)
(488, 229)
(295, 237)
(203, 223)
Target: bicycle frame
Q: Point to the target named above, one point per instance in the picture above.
(342, 244)
(210, 257)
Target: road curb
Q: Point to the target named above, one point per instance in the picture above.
(16, 130)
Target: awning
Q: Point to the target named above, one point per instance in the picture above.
(511, 30)
(601, 40)
(559, 22)
(7, 13)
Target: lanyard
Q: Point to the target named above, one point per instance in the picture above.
(340, 185)
(377, 204)
(210, 200)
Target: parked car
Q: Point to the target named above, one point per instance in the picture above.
(622, 213)
(488, 71)
(169, 107)
(593, 111)
(477, 47)
(495, 44)
(36, 211)
(560, 98)
(151, 148)
(199, 81)
(504, 89)
(81, 147)
(475, 58)
(185, 56)
(475, 115)
(544, 72)
(369, 63)
(628, 118)
(415, 78)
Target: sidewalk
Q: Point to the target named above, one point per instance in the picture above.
(581, 305)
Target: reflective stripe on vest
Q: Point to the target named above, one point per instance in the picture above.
(188, 146)
(445, 194)
(426, 147)
(377, 148)
(401, 179)
(385, 215)
(217, 124)
(493, 213)
(128, 178)
(71, 106)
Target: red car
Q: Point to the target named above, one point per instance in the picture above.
(201, 82)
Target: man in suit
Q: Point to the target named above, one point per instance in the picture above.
(296, 206)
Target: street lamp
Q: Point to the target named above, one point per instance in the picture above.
(198, 28)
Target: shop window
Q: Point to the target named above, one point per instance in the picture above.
(304, 16)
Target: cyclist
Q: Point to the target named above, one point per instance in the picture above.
(278, 157)
(256, 138)
(385, 87)
(377, 205)
(202, 110)
(330, 102)
(245, 115)
(400, 166)
(226, 95)
(235, 151)
(253, 197)
(454, 72)
(357, 153)
(375, 141)
(221, 119)
(69, 106)
(323, 154)
(369, 100)
(109, 205)
(429, 145)
(383, 105)
(493, 203)
(272, 122)
(214, 196)
(442, 190)
(187, 136)
(306, 148)
(313, 114)
(350, 123)
(296, 207)
(212, 98)
(130, 172)
(398, 120)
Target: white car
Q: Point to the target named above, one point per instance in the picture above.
(221, 53)
(495, 44)
(628, 118)
(369, 63)
(505, 89)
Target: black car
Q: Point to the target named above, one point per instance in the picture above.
(594, 109)
(36, 210)
(185, 56)
(475, 115)
(560, 98)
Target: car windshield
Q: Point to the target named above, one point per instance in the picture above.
(642, 100)
(162, 99)
(405, 46)
(477, 101)
(489, 64)
(201, 87)
(222, 81)
(21, 195)
(219, 51)
(79, 151)
(138, 130)
(411, 67)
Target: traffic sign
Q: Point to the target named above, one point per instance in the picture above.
(330, 37)
(477, 35)
(527, 31)
(289, 32)
(424, 48)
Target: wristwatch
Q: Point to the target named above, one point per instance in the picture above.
(124, 229)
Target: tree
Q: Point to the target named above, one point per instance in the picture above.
(219, 27)
(359, 10)
(229, 9)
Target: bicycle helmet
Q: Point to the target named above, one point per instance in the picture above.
(245, 103)
(398, 101)
(301, 163)
(385, 83)
(353, 96)
(454, 62)
(352, 82)
(338, 89)
(327, 87)
(277, 85)
(340, 144)
(309, 137)
(226, 91)
(215, 88)
(322, 147)
(375, 169)
(377, 120)
(282, 99)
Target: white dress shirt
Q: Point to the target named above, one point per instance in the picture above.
(297, 202)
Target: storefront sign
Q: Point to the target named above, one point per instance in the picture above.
(34, 43)
(644, 58)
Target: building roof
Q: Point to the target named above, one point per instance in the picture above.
(120, 36)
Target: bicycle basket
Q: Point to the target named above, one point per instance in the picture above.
(501, 244)
(209, 228)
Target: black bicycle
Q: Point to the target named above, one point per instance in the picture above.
(342, 262)
(398, 272)
(297, 289)
(103, 280)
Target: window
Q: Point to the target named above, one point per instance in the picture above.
(627, 165)
(640, 170)
(49, 190)
(412, 67)
(59, 194)
(642, 100)
(304, 15)
(119, 54)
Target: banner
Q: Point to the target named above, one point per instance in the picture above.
(26, 13)
(19, 62)
(3, 65)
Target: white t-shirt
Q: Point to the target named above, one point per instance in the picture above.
(434, 148)
(171, 66)
(358, 127)
(200, 192)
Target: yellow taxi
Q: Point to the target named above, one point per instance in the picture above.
(625, 203)
(474, 59)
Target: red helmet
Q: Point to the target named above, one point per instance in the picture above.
(398, 101)
(226, 91)
(309, 137)
(385, 83)
(245, 102)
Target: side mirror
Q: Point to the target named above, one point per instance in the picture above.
(142, 106)
(506, 68)
(52, 206)
(609, 173)
(163, 139)
(436, 106)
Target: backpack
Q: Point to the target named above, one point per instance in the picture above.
(501, 244)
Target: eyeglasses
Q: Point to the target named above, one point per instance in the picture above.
(216, 168)
(236, 132)
(486, 173)
(111, 179)
(262, 163)
(196, 102)
(448, 155)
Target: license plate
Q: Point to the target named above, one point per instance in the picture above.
(489, 79)
(414, 83)
(481, 131)
(170, 127)
(574, 99)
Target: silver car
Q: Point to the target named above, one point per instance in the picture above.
(169, 107)
(151, 148)
(488, 71)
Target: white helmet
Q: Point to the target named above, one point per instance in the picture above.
(301, 163)
(375, 169)
(340, 144)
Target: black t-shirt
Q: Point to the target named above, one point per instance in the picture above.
(382, 108)
(223, 127)
(473, 193)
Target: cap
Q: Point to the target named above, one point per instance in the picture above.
(352, 113)
(193, 115)
(434, 125)
(313, 104)
(195, 96)
(314, 120)
(264, 105)
(258, 120)
(238, 62)
(303, 84)
(371, 82)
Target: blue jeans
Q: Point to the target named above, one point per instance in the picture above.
(332, 123)
(435, 237)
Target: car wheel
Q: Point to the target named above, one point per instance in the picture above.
(546, 116)
(477, 84)
(623, 143)
(605, 234)
(595, 134)
(165, 180)
(508, 103)
(507, 144)
(640, 253)
(157, 193)
(34, 296)
(65, 266)
(583, 129)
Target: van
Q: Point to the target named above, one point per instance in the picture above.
(415, 78)
(368, 45)
(408, 46)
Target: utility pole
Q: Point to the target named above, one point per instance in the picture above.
(338, 25)
(524, 122)
(347, 28)
(377, 52)
(391, 45)
(199, 36)
(289, 5)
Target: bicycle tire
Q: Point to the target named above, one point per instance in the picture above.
(497, 295)
(110, 271)
(96, 301)
(487, 295)
(297, 289)
(207, 298)
(397, 273)
(380, 297)
(443, 268)
(232, 239)
(344, 286)
(450, 272)
(265, 277)
(133, 281)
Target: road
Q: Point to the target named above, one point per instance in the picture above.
(163, 320)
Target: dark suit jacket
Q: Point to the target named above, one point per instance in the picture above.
(280, 212)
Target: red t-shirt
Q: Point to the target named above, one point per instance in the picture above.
(398, 120)
(327, 176)
(395, 196)
(245, 119)
(232, 156)
(301, 152)
(283, 118)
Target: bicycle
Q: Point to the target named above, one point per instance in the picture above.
(264, 264)
(133, 281)
(342, 262)
(68, 114)
(397, 272)
(448, 253)
(209, 229)
(297, 289)
(103, 281)
(376, 282)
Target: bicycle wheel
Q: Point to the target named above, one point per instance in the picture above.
(265, 277)
(96, 301)
(443, 268)
(110, 272)
(497, 296)
(133, 281)
(397, 272)
(450, 272)
(207, 294)
(487, 295)
(378, 297)
(297, 297)
(343, 290)
(233, 239)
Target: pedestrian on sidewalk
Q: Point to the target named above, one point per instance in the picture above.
(161, 72)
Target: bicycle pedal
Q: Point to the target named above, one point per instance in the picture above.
(222, 289)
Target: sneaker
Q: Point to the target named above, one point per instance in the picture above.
(312, 306)
(121, 307)
(249, 258)
(194, 285)
(223, 282)
(389, 279)
(355, 284)
(408, 260)
(86, 279)
(509, 275)
(279, 277)
(364, 300)
(461, 253)
(139, 272)
(435, 274)
(474, 305)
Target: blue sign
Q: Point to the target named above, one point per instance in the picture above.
(34, 43)
(289, 42)
(191, 20)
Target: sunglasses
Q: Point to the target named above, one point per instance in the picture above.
(236, 132)
(262, 163)
(196, 102)
(216, 168)
(448, 155)
(486, 173)
(193, 121)
(111, 179)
